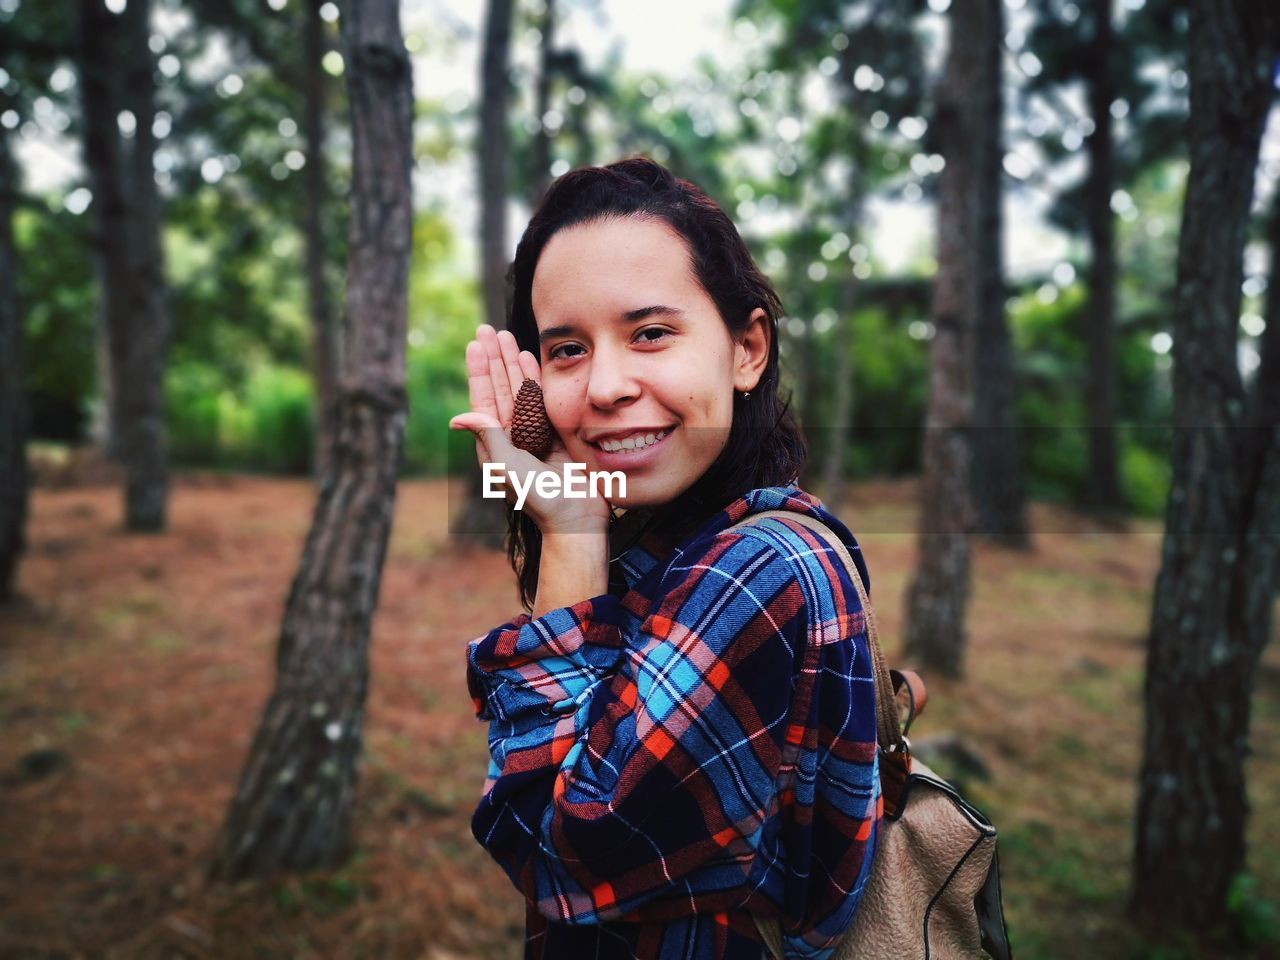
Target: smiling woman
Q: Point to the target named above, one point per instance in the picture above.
(682, 732)
(612, 370)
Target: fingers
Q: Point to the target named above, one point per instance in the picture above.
(496, 367)
(477, 423)
(529, 367)
(491, 441)
(479, 383)
(511, 360)
(503, 395)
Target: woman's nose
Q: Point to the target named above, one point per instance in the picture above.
(611, 382)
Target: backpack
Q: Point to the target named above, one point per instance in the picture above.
(934, 887)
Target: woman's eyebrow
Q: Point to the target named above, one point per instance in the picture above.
(630, 316)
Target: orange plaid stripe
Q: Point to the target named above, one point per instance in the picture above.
(602, 896)
(659, 743)
(718, 676)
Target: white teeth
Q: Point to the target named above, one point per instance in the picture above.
(637, 442)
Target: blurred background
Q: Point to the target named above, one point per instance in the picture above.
(176, 181)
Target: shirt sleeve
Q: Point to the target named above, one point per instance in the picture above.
(650, 769)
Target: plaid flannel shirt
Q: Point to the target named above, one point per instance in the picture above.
(651, 782)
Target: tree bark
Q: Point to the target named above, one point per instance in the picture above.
(324, 343)
(1213, 596)
(116, 72)
(292, 809)
(845, 343)
(939, 593)
(494, 94)
(484, 520)
(996, 471)
(13, 420)
(1104, 495)
(542, 139)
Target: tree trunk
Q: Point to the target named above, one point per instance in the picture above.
(13, 421)
(484, 520)
(996, 472)
(939, 594)
(494, 92)
(542, 139)
(1266, 394)
(1213, 596)
(324, 345)
(845, 343)
(102, 428)
(1104, 494)
(293, 807)
(117, 77)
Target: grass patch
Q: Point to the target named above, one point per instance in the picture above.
(72, 722)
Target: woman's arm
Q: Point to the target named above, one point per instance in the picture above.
(573, 566)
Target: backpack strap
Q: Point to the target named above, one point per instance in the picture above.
(895, 754)
(917, 696)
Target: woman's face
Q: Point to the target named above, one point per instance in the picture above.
(632, 347)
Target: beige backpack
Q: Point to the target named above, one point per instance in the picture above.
(934, 889)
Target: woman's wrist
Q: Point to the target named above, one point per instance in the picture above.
(572, 567)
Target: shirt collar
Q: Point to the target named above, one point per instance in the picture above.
(655, 547)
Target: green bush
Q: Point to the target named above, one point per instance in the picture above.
(192, 414)
(1145, 475)
(890, 383)
(1257, 918)
(276, 421)
(1051, 374)
(437, 385)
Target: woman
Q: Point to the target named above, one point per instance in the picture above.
(652, 784)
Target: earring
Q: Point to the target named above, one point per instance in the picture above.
(746, 395)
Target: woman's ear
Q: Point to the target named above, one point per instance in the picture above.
(751, 351)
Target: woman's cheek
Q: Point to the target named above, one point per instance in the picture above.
(558, 402)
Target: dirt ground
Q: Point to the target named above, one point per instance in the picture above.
(145, 662)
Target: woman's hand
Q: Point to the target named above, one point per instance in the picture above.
(496, 367)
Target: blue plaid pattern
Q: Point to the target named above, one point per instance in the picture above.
(653, 779)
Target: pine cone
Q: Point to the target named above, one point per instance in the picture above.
(530, 427)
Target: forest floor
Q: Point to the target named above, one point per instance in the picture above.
(146, 662)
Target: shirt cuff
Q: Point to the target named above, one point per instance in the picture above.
(545, 663)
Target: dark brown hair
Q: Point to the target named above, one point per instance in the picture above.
(765, 447)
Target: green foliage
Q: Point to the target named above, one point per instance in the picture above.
(58, 300)
(192, 395)
(890, 380)
(444, 304)
(320, 895)
(270, 428)
(1051, 376)
(239, 394)
(266, 426)
(1257, 918)
(436, 395)
(1145, 474)
(1063, 860)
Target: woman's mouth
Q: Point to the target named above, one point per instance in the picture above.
(633, 451)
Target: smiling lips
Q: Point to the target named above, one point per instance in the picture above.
(636, 441)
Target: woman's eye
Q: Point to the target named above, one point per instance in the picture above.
(658, 330)
(555, 354)
(647, 335)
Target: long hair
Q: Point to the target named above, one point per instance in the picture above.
(765, 446)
